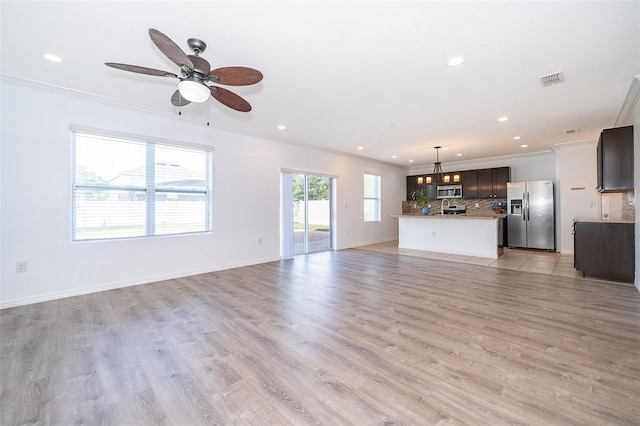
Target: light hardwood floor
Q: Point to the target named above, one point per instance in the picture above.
(348, 337)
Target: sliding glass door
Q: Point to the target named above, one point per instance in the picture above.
(306, 218)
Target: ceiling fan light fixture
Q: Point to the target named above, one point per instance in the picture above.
(193, 90)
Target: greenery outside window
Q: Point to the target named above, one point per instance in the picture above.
(125, 188)
(371, 198)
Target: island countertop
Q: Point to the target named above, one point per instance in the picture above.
(601, 220)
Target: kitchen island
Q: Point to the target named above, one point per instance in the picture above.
(479, 236)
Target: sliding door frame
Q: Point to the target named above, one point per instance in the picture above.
(287, 245)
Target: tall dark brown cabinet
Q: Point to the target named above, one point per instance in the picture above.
(615, 159)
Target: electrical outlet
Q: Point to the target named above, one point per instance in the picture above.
(259, 240)
(433, 233)
(21, 266)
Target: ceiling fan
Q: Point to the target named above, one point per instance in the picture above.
(196, 72)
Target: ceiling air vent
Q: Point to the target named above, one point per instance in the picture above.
(551, 79)
(570, 131)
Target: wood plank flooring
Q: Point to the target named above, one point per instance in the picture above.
(348, 337)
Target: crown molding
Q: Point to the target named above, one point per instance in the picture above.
(573, 144)
(184, 117)
(626, 112)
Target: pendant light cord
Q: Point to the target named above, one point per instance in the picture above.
(437, 168)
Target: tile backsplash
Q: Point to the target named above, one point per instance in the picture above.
(477, 207)
(618, 205)
(613, 206)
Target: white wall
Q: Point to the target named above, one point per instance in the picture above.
(630, 115)
(537, 166)
(35, 212)
(576, 194)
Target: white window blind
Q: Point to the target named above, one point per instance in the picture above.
(129, 188)
(371, 198)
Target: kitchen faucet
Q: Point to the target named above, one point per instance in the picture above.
(442, 205)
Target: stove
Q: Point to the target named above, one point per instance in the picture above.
(455, 210)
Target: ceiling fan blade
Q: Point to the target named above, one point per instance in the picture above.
(170, 49)
(178, 100)
(140, 70)
(235, 76)
(230, 99)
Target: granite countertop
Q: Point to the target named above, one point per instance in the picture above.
(601, 220)
(449, 216)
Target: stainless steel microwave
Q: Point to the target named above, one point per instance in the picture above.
(449, 191)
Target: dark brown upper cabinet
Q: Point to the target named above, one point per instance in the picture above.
(469, 180)
(501, 175)
(492, 183)
(615, 159)
(476, 184)
(420, 183)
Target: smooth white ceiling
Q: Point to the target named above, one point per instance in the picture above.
(346, 74)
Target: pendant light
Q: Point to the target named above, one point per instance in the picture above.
(437, 168)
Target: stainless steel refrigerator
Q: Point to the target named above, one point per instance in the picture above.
(531, 217)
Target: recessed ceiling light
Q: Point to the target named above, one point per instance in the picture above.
(411, 161)
(524, 146)
(503, 118)
(394, 156)
(459, 154)
(516, 138)
(282, 127)
(445, 149)
(51, 57)
(455, 61)
(360, 148)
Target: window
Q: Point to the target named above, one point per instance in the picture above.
(131, 188)
(371, 198)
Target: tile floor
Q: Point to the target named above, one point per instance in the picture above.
(522, 260)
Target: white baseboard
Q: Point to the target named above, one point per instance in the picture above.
(45, 297)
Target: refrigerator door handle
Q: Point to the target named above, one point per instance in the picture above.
(524, 206)
(527, 206)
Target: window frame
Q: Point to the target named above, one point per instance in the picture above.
(377, 198)
(150, 189)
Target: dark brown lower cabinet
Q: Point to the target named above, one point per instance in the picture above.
(605, 250)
